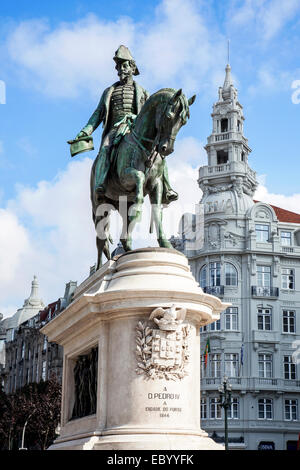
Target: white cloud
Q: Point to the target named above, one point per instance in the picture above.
(76, 58)
(268, 17)
(291, 203)
(14, 243)
(270, 79)
(47, 230)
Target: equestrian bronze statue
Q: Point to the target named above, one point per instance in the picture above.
(139, 132)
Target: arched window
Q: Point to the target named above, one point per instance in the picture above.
(203, 276)
(231, 276)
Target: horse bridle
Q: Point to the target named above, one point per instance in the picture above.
(151, 156)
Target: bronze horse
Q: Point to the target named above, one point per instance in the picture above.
(137, 165)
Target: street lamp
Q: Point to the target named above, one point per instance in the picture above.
(23, 433)
(225, 402)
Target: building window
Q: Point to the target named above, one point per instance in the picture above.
(231, 318)
(234, 409)
(44, 370)
(215, 326)
(215, 365)
(203, 273)
(265, 365)
(23, 350)
(203, 408)
(264, 319)
(262, 233)
(231, 277)
(289, 368)
(45, 343)
(231, 365)
(289, 321)
(215, 274)
(224, 125)
(288, 279)
(265, 408)
(222, 157)
(215, 408)
(263, 276)
(291, 410)
(286, 238)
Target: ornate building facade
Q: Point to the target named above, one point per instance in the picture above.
(27, 356)
(250, 257)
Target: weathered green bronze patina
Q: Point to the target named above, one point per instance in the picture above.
(139, 132)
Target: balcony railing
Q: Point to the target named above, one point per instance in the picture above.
(259, 291)
(267, 381)
(254, 383)
(214, 290)
(235, 167)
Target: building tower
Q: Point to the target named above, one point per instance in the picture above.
(250, 258)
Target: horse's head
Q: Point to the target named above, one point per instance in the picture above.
(170, 119)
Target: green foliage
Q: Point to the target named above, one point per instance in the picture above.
(35, 408)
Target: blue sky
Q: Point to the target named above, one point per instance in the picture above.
(56, 59)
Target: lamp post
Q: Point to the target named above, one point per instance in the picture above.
(23, 433)
(225, 402)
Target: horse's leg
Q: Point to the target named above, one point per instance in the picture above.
(156, 207)
(137, 179)
(126, 238)
(103, 237)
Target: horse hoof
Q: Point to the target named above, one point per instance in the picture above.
(163, 243)
(127, 245)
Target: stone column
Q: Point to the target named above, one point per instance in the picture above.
(143, 311)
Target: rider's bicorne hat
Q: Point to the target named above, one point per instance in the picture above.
(123, 53)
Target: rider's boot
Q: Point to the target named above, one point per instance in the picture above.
(169, 194)
(101, 171)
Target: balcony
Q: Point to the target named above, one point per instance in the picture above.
(227, 135)
(214, 290)
(259, 291)
(253, 384)
(239, 168)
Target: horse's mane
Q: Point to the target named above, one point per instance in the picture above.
(165, 94)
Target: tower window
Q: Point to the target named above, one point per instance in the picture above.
(224, 125)
(222, 157)
(239, 127)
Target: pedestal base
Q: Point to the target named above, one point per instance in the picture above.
(166, 441)
(141, 312)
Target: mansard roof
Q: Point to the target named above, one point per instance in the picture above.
(284, 215)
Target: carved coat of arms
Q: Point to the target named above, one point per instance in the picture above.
(163, 352)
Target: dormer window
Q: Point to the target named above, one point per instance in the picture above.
(222, 157)
(224, 125)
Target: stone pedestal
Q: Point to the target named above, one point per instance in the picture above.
(143, 312)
